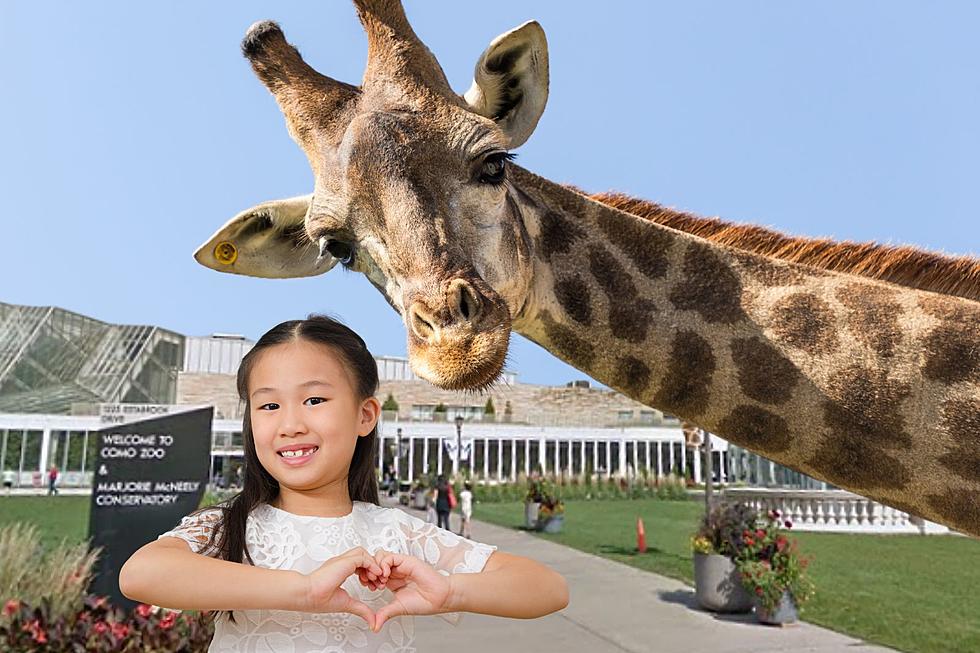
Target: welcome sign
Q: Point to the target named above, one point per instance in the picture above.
(148, 475)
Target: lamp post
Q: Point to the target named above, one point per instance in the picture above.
(459, 444)
(708, 471)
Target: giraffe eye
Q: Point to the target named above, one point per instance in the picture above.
(494, 168)
(341, 251)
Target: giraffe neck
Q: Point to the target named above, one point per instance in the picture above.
(869, 386)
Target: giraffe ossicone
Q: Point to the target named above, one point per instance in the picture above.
(854, 363)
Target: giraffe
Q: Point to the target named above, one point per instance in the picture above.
(856, 364)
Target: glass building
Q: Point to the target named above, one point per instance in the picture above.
(57, 362)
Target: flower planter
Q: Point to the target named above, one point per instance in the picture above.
(531, 514)
(551, 524)
(717, 585)
(784, 612)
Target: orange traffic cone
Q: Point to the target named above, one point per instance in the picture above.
(641, 536)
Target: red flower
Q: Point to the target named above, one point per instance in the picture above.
(144, 610)
(758, 590)
(120, 630)
(11, 607)
(101, 627)
(37, 633)
(84, 616)
(749, 541)
(168, 621)
(746, 533)
(760, 533)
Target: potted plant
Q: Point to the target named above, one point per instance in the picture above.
(773, 571)
(716, 545)
(532, 502)
(551, 515)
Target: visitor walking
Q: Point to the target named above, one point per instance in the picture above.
(53, 480)
(442, 503)
(466, 509)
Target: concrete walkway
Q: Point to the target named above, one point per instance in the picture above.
(615, 608)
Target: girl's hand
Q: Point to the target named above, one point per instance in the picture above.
(325, 593)
(418, 588)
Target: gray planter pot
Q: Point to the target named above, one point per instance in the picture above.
(784, 612)
(552, 524)
(531, 514)
(717, 586)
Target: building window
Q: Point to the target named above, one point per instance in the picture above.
(625, 415)
(648, 416)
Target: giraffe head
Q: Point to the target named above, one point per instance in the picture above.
(410, 187)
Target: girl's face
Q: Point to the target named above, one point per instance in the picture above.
(306, 415)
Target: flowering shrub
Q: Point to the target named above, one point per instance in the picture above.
(702, 545)
(770, 564)
(722, 527)
(100, 627)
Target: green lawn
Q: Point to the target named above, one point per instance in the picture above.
(912, 593)
(56, 518)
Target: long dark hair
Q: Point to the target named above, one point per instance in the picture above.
(259, 486)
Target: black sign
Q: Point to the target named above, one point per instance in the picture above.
(148, 475)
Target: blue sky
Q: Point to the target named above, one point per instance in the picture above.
(130, 131)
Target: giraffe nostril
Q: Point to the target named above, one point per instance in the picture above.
(422, 327)
(466, 300)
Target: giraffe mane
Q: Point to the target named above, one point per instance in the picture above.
(903, 265)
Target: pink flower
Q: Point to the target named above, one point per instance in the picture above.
(120, 630)
(11, 607)
(144, 610)
(760, 533)
(101, 627)
(168, 621)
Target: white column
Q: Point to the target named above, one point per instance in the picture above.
(671, 445)
(3, 450)
(513, 459)
(543, 455)
(683, 459)
(84, 452)
(660, 459)
(595, 456)
(425, 454)
(582, 458)
(648, 457)
(608, 458)
(500, 458)
(411, 458)
(439, 459)
(381, 453)
(527, 456)
(486, 457)
(45, 448)
(557, 469)
(622, 457)
(697, 467)
(635, 446)
(571, 456)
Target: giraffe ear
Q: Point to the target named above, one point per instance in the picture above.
(510, 83)
(268, 241)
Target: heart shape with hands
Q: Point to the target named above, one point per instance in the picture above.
(418, 588)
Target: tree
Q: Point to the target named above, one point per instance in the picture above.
(488, 409)
(390, 403)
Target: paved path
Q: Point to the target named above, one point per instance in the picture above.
(617, 609)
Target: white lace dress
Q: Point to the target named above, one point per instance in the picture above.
(277, 539)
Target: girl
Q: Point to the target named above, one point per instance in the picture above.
(304, 559)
